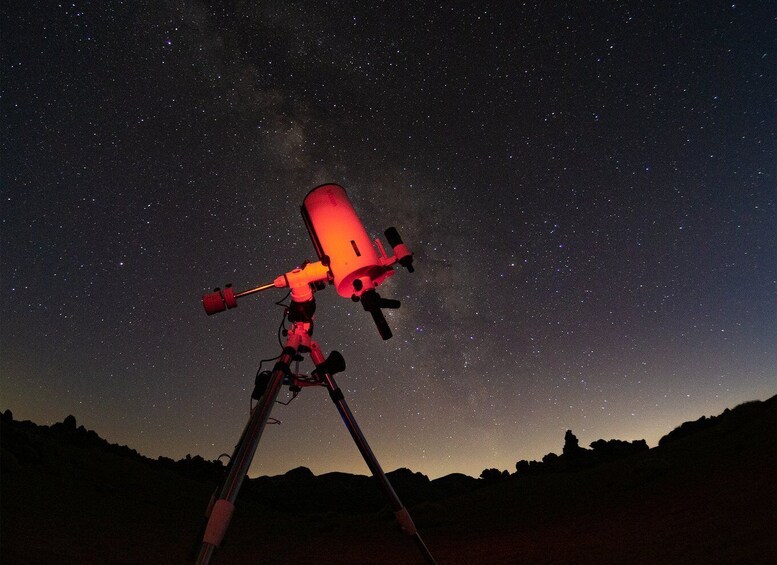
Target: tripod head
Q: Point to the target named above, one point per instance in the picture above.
(348, 259)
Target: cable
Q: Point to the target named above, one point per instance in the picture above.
(282, 326)
(294, 395)
(258, 371)
(280, 302)
(281, 329)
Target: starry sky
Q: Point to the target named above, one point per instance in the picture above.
(589, 188)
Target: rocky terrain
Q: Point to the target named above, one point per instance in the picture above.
(706, 494)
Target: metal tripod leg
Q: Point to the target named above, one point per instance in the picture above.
(220, 511)
(400, 512)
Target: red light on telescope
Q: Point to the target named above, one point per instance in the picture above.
(338, 234)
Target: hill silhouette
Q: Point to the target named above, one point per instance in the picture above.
(705, 494)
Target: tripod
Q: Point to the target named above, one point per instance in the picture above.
(298, 341)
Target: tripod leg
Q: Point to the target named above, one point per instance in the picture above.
(220, 510)
(400, 512)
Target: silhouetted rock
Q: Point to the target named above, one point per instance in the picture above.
(575, 458)
(70, 422)
(524, 467)
(300, 474)
(411, 486)
(494, 475)
(615, 448)
(729, 419)
(571, 445)
(196, 467)
(687, 428)
(453, 484)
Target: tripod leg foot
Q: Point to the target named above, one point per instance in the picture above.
(405, 521)
(218, 522)
(400, 512)
(222, 510)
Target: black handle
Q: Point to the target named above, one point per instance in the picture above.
(372, 303)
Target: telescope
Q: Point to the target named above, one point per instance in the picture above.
(355, 265)
(347, 258)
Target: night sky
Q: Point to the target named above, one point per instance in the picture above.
(589, 188)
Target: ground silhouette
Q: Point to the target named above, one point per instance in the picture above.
(706, 494)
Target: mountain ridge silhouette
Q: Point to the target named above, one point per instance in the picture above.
(69, 496)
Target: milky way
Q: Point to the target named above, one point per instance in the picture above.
(590, 194)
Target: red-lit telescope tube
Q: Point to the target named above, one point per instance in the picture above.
(339, 235)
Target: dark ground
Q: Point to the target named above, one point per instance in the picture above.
(707, 494)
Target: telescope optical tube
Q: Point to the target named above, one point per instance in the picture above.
(341, 240)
